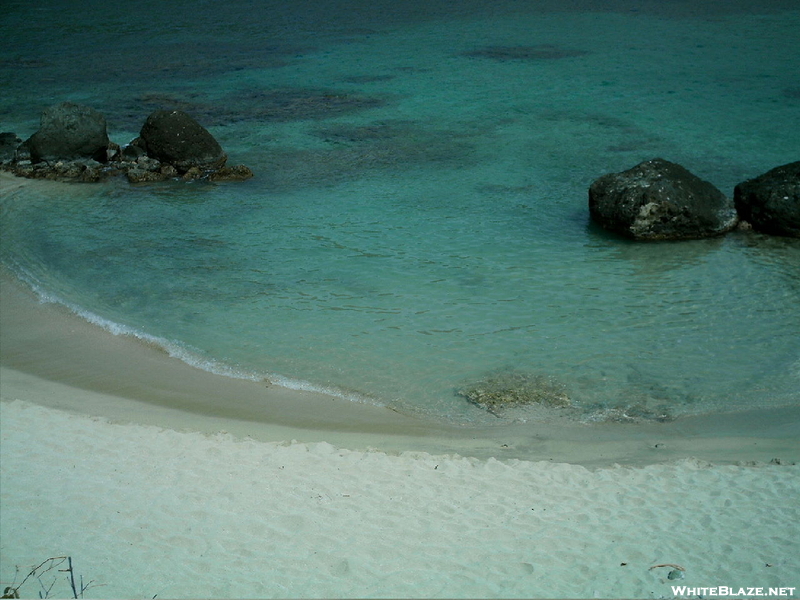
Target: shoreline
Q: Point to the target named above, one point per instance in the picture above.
(52, 357)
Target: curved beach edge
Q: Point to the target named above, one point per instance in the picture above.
(52, 357)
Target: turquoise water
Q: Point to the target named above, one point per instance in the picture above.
(418, 218)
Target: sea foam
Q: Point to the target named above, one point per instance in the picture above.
(181, 351)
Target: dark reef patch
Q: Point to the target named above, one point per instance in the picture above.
(193, 59)
(622, 135)
(296, 104)
(349, 150)
(372, 132)
(281, 105)
(523, 53)
(360, 79)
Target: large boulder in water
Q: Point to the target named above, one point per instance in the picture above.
(175, 138)
(660, 200)
(69, 131)
(771, 202)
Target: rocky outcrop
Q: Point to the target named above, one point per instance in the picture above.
(84, 170)
(69, 131)
(660, 200)
(771, 202)
(72, 144)
(175, 138)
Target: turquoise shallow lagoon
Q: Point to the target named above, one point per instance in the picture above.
(418, 218)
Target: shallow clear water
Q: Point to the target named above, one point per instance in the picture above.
(419, 215)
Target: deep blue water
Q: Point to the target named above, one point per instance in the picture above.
(418, 218)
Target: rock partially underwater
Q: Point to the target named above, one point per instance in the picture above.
(660, 200)
(72, 145)
(510, 389)
(175, 138)
(69, 131)
(771, 202)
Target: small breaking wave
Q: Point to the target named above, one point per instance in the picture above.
(181, 351)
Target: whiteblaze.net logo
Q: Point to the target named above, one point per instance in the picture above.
(686, 591)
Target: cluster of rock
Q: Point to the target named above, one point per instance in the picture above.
(660, 200)
(72, 143)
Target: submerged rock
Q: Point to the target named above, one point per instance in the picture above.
(497, 392)
(660, 200)
(771, 201)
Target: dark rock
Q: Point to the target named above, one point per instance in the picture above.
(146, 163)
(9, 142)
(175, 138)
(146, 169)
(138, 175)
(113, 151)
(771, 202)
(237, 173)
(192, 174)
(660, 200)
(68, 169)
(22, 154)
(168, 170)
(72, 145)
(84, 170)
(20, 169)
(132, 151)
(69, 131)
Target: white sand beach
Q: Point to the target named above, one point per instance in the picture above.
(150, 512)
(103, 460)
